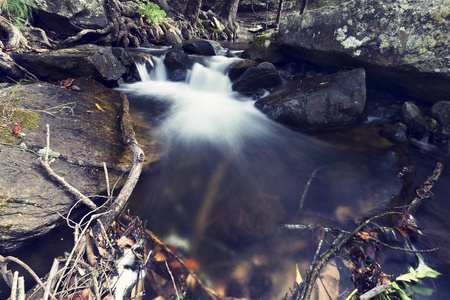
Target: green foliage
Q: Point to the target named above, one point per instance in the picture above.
(152, 11)
(410, 283)
(17, 9)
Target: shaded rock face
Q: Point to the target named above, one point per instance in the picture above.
(263, 76)
(30, 202)
(202, 47)
(319, 103)
(104, 63)
(69, 17)
(264, 48)
(408, 41)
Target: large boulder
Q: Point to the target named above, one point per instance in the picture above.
(202, 47)
(82, 137)
(405, 44)
(103, 63)
(66, 18)
(325, 102)
(263, 76)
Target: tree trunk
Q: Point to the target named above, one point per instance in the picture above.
(303, 7)
(192, 11)
(280, 9)
(228, 13)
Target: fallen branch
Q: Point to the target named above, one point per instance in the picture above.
(120, 202)
(46, 165)
(8, 277)
(341, 240)
(66, 185)
(376, 291)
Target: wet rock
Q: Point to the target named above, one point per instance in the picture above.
(264, 48)
(264, 75)
(106, 64)
(177, 63)
(319, 103)
(441, 112)
(84, 136)
(66, 18)
(240, 67)
(412, 118)
(395, 132)
(401, 44)
(202, 47)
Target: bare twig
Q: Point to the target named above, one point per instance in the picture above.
(173, 280)
(408, 250)
(376, 291)
(50, 279)
(305, 191)
(47, 149)
(14, 286)
(66, 185)
(21, 295)
(4, 262)
(108, 191)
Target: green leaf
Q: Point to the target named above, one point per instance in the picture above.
(426, 271)
(413, 289)
(400, 292)
(412, 276)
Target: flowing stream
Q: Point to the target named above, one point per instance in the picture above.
(230, 177)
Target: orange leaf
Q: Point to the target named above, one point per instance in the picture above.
(364, 235)
(17, 129)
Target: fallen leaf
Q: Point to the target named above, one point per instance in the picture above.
(17, 129)
(298, 276)
(98, 106)
(125, 241)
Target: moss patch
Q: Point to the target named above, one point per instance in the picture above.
(5, 203)
(10, 116)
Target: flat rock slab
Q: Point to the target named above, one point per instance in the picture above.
(84, 131)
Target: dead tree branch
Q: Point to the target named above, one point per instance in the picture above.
(120, 202)
(341, 240)
(66, 185)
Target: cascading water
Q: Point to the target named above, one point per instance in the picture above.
(230, 175)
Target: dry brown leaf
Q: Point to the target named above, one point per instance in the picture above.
(327, 284)
(125, 241)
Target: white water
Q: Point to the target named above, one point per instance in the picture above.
(204, 108)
